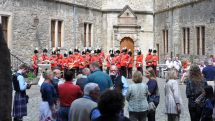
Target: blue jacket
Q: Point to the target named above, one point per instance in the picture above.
(209, 73)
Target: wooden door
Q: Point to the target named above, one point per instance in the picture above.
(128, 43)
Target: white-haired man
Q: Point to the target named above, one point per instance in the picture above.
(81, 108)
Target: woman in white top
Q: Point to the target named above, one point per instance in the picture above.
(172, 96)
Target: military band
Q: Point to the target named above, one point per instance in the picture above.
(77, 60)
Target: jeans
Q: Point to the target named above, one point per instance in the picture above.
(138, 116)
(63, 114)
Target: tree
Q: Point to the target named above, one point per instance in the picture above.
(5, 80)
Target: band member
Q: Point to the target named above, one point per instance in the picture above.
(101, 58)
(76, 61)
(117, 59)
(130, 64)
(94, 57)
(124, 62)
(65, 61)
(82, 61)
(88, 57)
(154, 61)
(109, 60)
(35, 61)
(53, 59)
(44, 57)
(139, 61)
(149, 59)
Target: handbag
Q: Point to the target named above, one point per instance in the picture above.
(152, 106)
(154, 98)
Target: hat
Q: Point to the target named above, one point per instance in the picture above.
(36, 50)
(45, 50)
(129, 52)
(53, 51)
(76, 50)
(150, 50)
(65, 54)
(70, 52)
(58, 48)
(83, 53)
(154, 51)
(117, 51)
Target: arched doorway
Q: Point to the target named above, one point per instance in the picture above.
(128, 43)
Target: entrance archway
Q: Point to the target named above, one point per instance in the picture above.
(128, 43)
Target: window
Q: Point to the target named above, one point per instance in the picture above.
(165, 41)
(59, 33)
(4, 21)
(52, 33)
(56, 33)
(200, 32)
(87, 34)
(186, 40)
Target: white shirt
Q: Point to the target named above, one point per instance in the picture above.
(169, 63)
(177, 64)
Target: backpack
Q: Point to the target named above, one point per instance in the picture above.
(16, 82)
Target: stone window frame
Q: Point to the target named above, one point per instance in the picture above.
(56, 33)
(88, 34)
(200, 40)
(9, 27)
(165, 34)
(186, 40)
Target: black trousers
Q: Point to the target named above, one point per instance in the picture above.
(151, 116)
(140, 69)
(155, 69)
(123, 71)
(195, 113)
(17, 119)
(129, 73)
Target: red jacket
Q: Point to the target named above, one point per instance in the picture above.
(130, 62)
(116, 61)
(149, 60)
(155, 60)
(124, 59)
(76, 60)
(35, 61)
(139, 61)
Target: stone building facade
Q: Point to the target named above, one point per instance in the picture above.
(75, 23)
(185, 28)
(179, 27)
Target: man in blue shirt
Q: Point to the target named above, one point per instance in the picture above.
(20, 97)
(209, 71)
(102, 79)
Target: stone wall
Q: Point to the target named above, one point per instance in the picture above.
(200, 13)
(26, 33)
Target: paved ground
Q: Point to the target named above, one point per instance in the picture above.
(35, 99)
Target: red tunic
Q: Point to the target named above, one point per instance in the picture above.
(124, 59)
(35, 61)
(139, 61)
(65, 62)
(82, 62)
(53, 60)
(130, 62)
(155, 60)
(76, 60)
(94, 58)
(148, 60)
(116, 61)
(44, 57)
(88, 58)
